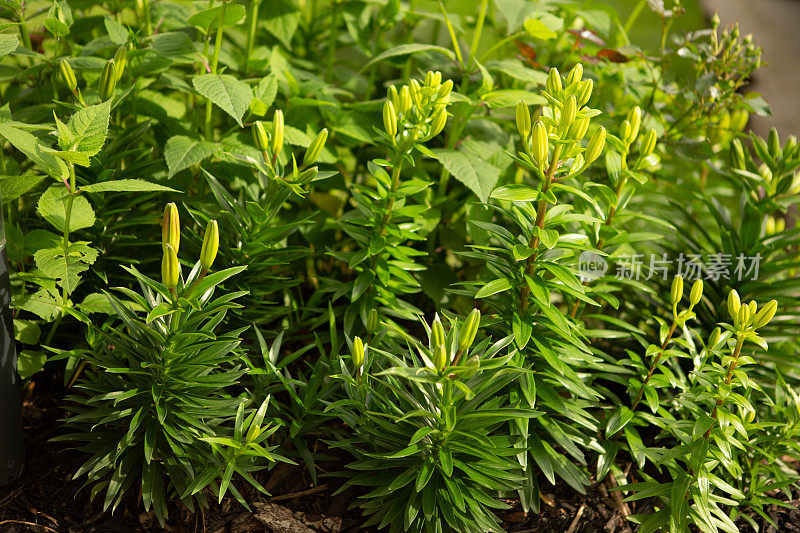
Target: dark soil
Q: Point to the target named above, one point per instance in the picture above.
(47, 499)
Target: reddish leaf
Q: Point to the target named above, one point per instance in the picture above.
(613, 55)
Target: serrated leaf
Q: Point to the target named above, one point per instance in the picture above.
(225, 91)
(182, 152)
(210, 18)
(52, 207)
(66, 268)
(116, 31)
(8, 43)
(90, 125)
(36, 152)
(473, 172)
(12, 187)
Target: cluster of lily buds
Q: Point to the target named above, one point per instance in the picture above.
(772, 161)
(676, 295)
(727, 126)
(269, 141)
(417, 109)
(774, 225)
(564, 118)
(747, 317)
(170, 244)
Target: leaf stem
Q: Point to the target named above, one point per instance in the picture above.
(214, 63)
(654, 365)
(252, 25)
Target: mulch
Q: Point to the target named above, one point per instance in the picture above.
(47, 499)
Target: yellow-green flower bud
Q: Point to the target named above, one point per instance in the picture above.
(468, 331)
(429, 78)
(444, 90)
(734, 303)
(358, 353)
(553, 84)
(769, 226)
(774, 143)
(696, 292)
(738, 160)
(568, 113)
(471, 367)
(539, 144)
(575, 75)
(437, 332)
(635, 119)
(739, 120)
(780, 225)
(121, 60)
(68, 75)
(523, 117)
(260, 136)
(438, 121)
(405, 100)
(585, 92)
(170, 268)
(595, 146)
(625, 131)
(743, 317)
(440, 358)
(766, 314)
(794, 188)
(579, 128)
(392, 95)
(389, 118)
(108, 81)
(277, 133)
(752, 306)
(416, 93)
(677, 290)
(208, 252)
(372, 321)
(171, 227)
(315, 148)
(437, 79)
(713, 340)
(648, 143)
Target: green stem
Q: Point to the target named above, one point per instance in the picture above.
(65, 248)
(653, 366)
(498, 44)
(634, 15)
(23, 32)
(252, 25)
(452, 32)
(476, 36)
(332, 38)
(148, 26)
(214, 63)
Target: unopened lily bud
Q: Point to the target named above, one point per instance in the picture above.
(579, 128)
(738, 160)
(429, 78)
(677, 290)
(440, 358)
(68, 75)
(766, 314)
(437, 332)
(444, 90)
(739, 120)
(523, 117)
(625, 131)
(358, 352)
(794, 188)
(170, 268)
(471, 367)
(405, 100)
(389, 118)
(595, 146)
(171, 227)
(648, 143)
(416, 93)
(553, 84)
(277, 132)
(392, 95)
(713, 340)
(372, 321)
(260, 136)
(696, 292)
(437, 78)
(780, 225)
(108, 81)
(774, 143)
(635, 119)
(208, 252)
(575, 74)
(568, 112)
(121, 60)
(743, 317)
(769, 226)
(752, 306)
(438, 121)
(315, 148)
(468, 331)
(585, 92)
(307, 175)
(539, 143)
(734, 303)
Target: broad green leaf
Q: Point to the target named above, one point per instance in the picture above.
(26, 331)
(544, 26)
(30, 362)
(126, 185)
(517, 70)
(12, 187)
(90, 126)
(282, 20)
(52, 207)
(231, 95)
(174, 45)
(116, 31)
(66, 268)
(210, 18)
(515, 193)
(412, 48)
(8, 43)
(511, 97)
(36, 152)
(182, 152)
(473, 172)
